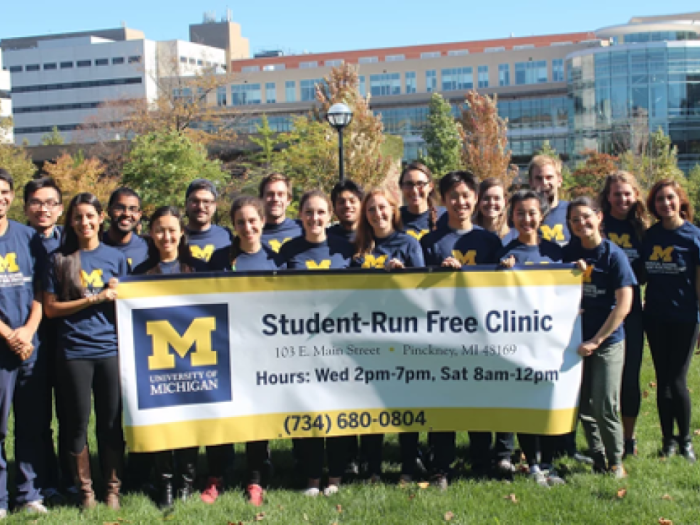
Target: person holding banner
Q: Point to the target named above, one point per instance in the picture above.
(625, 223)
(318, 251)
(671, 254)
(544, 175)
(527, 211)
(421, 213)
(492, 211)
(456, 245)
(381, 244)
(249, 254)
(80, 290)
(608, 282)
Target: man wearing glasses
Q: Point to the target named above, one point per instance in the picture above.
(124, 210)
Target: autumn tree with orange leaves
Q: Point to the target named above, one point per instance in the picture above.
(76, 175)
(588, 178)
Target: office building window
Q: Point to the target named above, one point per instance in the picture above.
(524, 46)
(457, 52)
(200, 62)
(50, 66)
(457, 79)
(274, 67)
(363, 86)
(250, 69)
(32, 67)
(308, 89)
(83, 63)
(558, 70)
(534, 72)
(410, 82)
(136, 59)
(308, 65)
(368, 60)
(18, 69)
(66, 65)
(504, 74)
(386, 84)
(117, 61)
(221, 95)
(183, 60)
(431, 81)
(270, 93)
(191, 61)
(102, 62)
(494, 49)
(334, 63)
(394, 58)
(78, 85)
(430, 54)
(290, 91)
(483, 76)
(245, 94)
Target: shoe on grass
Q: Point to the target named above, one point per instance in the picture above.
(311, 492)
(669, 448)
(630, 448)
(688, 452)
(254, 493)
(553, 477)
(440, 482)
(35, 507)
(618, 472)
(53, 498)
(330, 490)
(538, 477)
(212, 490)
(3, 514)
(581, 458)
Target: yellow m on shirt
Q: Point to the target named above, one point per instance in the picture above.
(465, 259)
(588, 273)
(321, 265)
(553, 233)
(277, 244)
(374, 262)
(623, 241)
(662, 254)
(202, 252)
(8, 263)
(92, 279)
(418, 235)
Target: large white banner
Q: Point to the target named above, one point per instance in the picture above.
(220, 358)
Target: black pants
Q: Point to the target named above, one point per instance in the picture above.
(408, 441)
(80, 380)
(219, 458)
(372, 450)
(336, 448)
(444, 445)
(531, 444)
(257, 454)
(671, 344)
(631, 395)
(480, 448)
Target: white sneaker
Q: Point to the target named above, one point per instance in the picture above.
(3, 514)
(330, 490)
(35, 507)
(538, 477)
(553, 478)
(311, 492)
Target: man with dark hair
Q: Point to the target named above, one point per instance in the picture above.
(208, 242)
(22, 378)
(124, 210)
(43, 207)
(544, 175)
(347, 198)
(276, 193)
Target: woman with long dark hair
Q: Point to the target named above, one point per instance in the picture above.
(80, 292)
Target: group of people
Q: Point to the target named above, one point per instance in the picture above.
(59, 344)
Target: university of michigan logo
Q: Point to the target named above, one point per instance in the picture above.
(418, 235)
(662, 254)
(8, 263)
(320, 265)
(92, 280)
(465, 258)
(276, 244)
(203, 253)
(182, 355)
(553, 233)
(374, 262)
(623, 241)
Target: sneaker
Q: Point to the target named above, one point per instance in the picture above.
(581, 458)
(311, 492)
(405, 480)
(688, 452)
(35, 507)
(669, 448)
(553, 478)
(440, 482)
(618, 472)
(330, 490)
(630, 448)
(212, 490)
(254, 492)
(505, 468)
(3, 514)
(538, 476)
(53, 498)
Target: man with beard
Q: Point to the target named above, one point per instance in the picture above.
(208, 242)
(276, 193)
(347, 198)
(545, 177)
(124, 210)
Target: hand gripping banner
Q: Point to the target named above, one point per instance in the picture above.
(220, 358)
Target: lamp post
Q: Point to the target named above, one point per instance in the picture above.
(339, 116)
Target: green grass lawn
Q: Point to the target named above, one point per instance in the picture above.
(655, 489)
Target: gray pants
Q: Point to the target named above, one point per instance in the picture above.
(600, 402)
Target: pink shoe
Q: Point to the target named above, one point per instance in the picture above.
(211, 490)
(255, 494)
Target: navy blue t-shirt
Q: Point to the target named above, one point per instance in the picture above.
(91, 333)
(275, 235)
(20, 251)
(671, 258)
(623, 234)
(554, 227)
(300, 254)
(48, 329)
(398, 245)
(263, 259)
(608, 270)
(52, 241)
(135, 251)
(477, 246)
(170, 267)
(419, 225)
(339, 231)
(509, 237)
(211, 246)
(544, 252)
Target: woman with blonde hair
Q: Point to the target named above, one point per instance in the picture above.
(625, 222)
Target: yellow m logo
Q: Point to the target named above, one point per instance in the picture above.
(662, 254)
(374, 262)
(623, 241)
(465, 259)
(276, 244)
(9, 263)
(553, 233)
(418, 235)
(588, 273)
(322, 265)
(204, 253)
(165, 336)
(94, 279)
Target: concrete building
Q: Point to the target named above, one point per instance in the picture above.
(223, 34)
(6, 134)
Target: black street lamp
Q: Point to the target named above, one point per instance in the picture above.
(339, 116)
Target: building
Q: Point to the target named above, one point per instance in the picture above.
(224, 34)
(62, 80)
(6, 133)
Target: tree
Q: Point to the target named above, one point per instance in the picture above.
(589, 176)
(162, 163)
(6, 125)
(442, 139)
(485, 139)
(77, 174)
(693, 189)
(16, 161)
(658, 160)
(52, 139)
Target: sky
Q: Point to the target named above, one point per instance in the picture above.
(295, 28)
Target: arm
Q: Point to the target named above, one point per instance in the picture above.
(623, 304)
(55, 308)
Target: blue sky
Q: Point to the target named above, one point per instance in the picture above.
(295, 27)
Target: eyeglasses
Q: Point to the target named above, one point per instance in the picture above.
(37, 204)
(202, 203)
(409, 185)
(123, 209)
